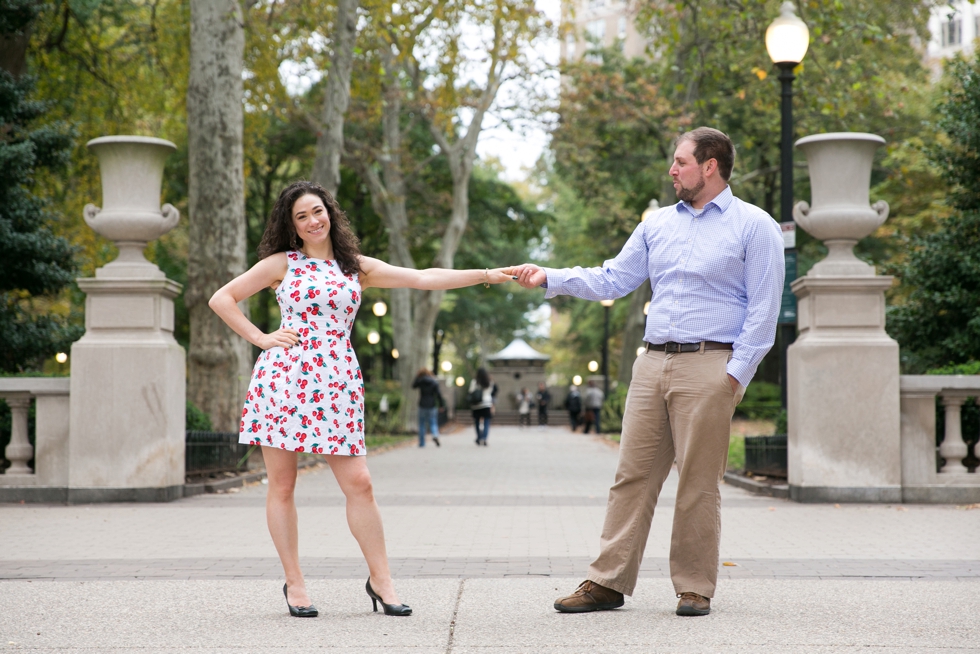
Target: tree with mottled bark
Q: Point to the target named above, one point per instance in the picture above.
(336, 99)
(218, 361)
(425, 72)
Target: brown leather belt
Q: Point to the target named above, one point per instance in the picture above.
(671, 346)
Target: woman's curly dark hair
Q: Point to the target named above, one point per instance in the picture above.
(280, 235)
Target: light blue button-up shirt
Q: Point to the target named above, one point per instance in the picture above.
(716, 275)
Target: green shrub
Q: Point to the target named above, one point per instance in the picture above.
(613, 409)
(195, 419)
(762, 401)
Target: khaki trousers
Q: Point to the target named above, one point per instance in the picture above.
(679, 406)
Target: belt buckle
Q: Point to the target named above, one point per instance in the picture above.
(671, 346)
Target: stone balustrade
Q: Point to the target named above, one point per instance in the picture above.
(923, 480)
(50, 449)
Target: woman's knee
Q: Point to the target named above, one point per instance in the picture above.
(358, 485)
(282, 487)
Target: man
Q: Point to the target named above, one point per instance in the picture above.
(573, 404)
(716, 270)
(544, 399)
(593, 406)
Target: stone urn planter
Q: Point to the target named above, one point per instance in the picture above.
(840, 214)
(131, 215)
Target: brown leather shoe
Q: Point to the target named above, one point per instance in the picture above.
(693, 604)
(590, 596)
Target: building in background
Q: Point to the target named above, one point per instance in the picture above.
(601, 22)
(953, 27)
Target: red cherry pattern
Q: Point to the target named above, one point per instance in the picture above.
(310, 398)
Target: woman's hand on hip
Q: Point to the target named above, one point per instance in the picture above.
(282, 337)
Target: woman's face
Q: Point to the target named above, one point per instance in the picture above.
(311, 220)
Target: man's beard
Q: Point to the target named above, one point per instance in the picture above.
(688, 194)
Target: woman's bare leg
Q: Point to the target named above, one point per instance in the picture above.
(280, 512)
(364, 520)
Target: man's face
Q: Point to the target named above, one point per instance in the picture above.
(687, 174)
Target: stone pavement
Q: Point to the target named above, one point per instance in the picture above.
(481, 541)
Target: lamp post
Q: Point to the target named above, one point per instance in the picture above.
(607, 305)
(787, 40)
(380, 309)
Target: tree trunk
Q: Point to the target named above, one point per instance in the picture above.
(336, 99)
(219, 361)
(13, 44)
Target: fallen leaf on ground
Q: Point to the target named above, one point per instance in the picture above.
(730, 564)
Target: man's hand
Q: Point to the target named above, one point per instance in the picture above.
(734, 383)
(529, 275)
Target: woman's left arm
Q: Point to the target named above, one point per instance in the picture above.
(378, 274)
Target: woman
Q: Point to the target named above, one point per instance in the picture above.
(306, 392)
(483, 392)
(430, 399)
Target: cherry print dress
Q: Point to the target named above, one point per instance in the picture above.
(310, 397)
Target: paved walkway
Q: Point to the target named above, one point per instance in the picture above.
(481, 541)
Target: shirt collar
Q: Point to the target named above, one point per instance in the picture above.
(721, 201)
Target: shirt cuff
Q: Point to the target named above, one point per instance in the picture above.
(741, 371)
(553, 282)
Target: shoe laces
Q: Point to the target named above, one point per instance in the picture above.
(694, 597)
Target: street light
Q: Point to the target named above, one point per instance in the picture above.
(373, 338)
(607, 305)
(460, 382)
(577, 380)
(379, 309)
(593, 366)
(447, 366)
(651, 209)
(787, 40)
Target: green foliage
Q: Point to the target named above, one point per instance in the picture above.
(762, 401)
(376, 422)
(939, 321)
(613, 409)
(37, 264)
(736, 452)
(782, 426)
(968, 368)
(196, 420)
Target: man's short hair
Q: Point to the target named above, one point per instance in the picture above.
(710, 143)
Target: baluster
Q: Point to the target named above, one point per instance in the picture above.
(19, 451)
(953, 449)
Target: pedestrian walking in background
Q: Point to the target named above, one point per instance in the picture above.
(430, 399)
(592, 400)
(524, 401)
(715, 265)
(307, 393)
(573, 404)
(483, 393)
(543, 398)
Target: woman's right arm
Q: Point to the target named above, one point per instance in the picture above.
(266, 273)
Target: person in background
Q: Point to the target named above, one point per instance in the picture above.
(524, 401)
(593, 406)
(430, 399)
(573, 403)
(544, 399)
(483, 393)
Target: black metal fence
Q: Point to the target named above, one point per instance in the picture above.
(213, 451)
(766, 455)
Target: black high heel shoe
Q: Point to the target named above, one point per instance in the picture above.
(299, 611)
(390, 609)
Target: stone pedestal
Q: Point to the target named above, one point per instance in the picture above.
(843, 394)
(128, 371)
(127, 394)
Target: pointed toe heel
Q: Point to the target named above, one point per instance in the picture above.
(389, 609)
(299, 611)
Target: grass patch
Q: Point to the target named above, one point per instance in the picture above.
(613, 437)
(736, 452)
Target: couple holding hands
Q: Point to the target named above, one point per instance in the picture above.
(716, 270)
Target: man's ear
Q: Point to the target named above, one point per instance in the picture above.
(710, 167)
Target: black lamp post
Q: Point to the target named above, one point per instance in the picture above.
(437, 337)
(607, 305)
(380, 309)
(787, 40)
